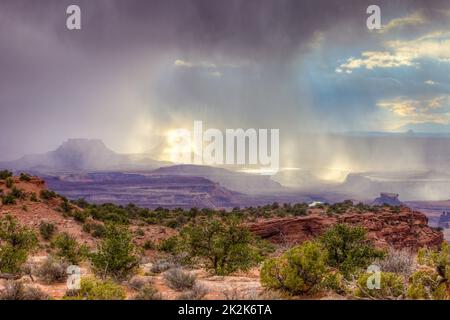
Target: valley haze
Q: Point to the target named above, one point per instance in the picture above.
(87, 168)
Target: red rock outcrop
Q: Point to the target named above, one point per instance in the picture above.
(406, 228)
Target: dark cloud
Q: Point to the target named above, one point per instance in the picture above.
(116, 79)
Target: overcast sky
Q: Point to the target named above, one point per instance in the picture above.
(138, 68)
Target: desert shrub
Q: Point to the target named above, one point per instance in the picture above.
(149, 245)
(148, 292)
(24, 177)
(138, 282)
(361, 207)
(299, 270)
(178, 279)
(172, 223)
(96, 289)
(116, 255)
(66, 207)
(33, 197)
(87, 227)
(437, 259)
(5, 174)
(28, 269)
(67, 248)
(16, 243)
(198, 292)
(47, 195)
(78, 215)
(8, 199)
(47, 230)
(348, 248)
(161, 266)
(397, 261)
(222, 246)
(139, 232)
(168, 245)
(427, 284)
(52, 271)
(9, 182)
(391, 286)
(18, 193)
(340, 207)
(109, 212)
(335, 282)
(433, 282)
(97, 230)
(300, 209)
(16, 290)
(81, 203)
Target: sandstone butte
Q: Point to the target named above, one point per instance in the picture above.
(405, 229)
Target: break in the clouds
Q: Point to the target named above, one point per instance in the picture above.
(414, 51)
(138, 68)
(435, 109)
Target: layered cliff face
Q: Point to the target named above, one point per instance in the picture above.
(403, 229)
(31, 210)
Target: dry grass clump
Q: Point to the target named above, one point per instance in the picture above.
(16, 290)
(179, 280)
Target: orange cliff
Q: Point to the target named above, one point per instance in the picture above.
(405, 229)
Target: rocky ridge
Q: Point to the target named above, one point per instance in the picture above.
(406, 228)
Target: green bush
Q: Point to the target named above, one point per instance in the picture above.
(47, 230)
(78, 215)
(97, 230)
(391, 286)
(139, 232)
(434, 282)
(67, 248)
(95, 289)
(427, 284)
(8, 199)
(348, 248)
(47, 195)
(33, 197)
(5, 174)
(300, 209)
(109, 212)
(116, 255)
(16, 243)
(66, 207)
(18, 193)
(9, 182)
(168, 245)
(438, 259)
(149, 245)
(335, 282)
(299, 270)
(222, 246)
(24, 177)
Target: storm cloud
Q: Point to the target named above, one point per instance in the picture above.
(138, 68)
